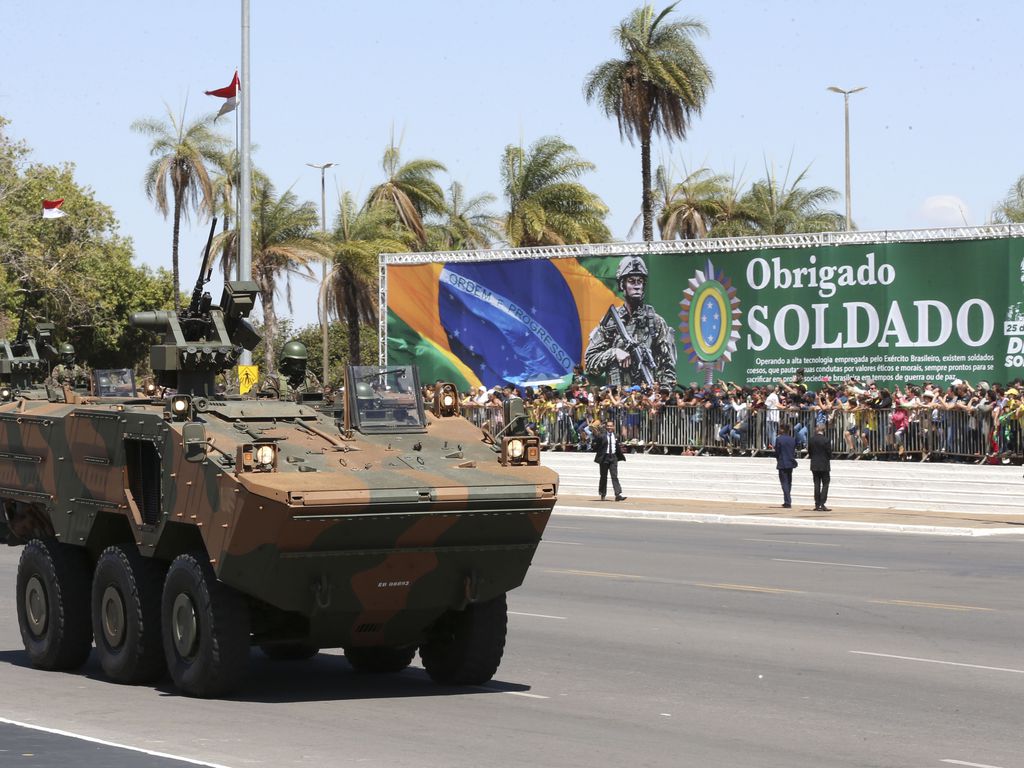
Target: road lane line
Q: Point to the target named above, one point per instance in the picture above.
(601, 574)
(942, 606)
(750, 588)
(939, 661)
(527, 695)
(535, 615)
(805, 543)
(105, 743)
(568, 543)
(842, 565)
(970, 765)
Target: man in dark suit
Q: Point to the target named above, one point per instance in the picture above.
(609, 454)
(785, 461)
(819, 450)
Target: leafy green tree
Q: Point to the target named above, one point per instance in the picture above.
(409, 189)
(546, 203)
(225, 182)
(181, 152)
(775, 206)
(76, 271)
(1011, 208)
(285, 242)
(338, 347)
(360, 236)
(661, 82)
(465, 223)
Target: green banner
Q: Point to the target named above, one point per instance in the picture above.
(894, 312)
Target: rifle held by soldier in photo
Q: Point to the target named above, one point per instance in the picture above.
(640, 356)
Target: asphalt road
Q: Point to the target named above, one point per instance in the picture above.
(632, 643)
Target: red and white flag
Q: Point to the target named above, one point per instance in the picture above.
(51, 209)
(230, 95)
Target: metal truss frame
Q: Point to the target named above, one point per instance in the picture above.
(682, 247)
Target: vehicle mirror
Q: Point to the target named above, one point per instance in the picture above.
(193, 436)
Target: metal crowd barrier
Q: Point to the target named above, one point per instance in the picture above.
(931, 433)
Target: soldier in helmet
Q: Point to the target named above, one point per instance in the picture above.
(292, 376)
(633, 344)
(68, 372)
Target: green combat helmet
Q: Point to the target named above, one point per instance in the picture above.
(293, 362)
(67, 353)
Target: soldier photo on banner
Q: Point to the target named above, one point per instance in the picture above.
(633, 344)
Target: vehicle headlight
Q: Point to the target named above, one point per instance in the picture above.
(447, 401)
(265, 455)
(516, 449)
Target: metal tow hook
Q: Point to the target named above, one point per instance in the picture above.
(322, 590)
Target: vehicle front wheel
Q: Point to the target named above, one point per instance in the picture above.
(205, 629)
(467, 646)
(53, 604)
(126, 593)
(380, 660)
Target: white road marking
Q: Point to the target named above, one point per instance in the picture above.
(971, 765)
(536, 615)
(566, 527)
(69, 734)
(842, 565)
(569, 543)
(940, 606)
(939, 661)
(805, 543)
(523, 693)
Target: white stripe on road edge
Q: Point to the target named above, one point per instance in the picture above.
(527, 695)
(786, 522)
(69, 734)
(535, 615)
(940, 606)
(939, 661)
(818, 562)
(568, 543)
(970, 765)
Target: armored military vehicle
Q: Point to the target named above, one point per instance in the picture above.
(178, 532)
(25, 362)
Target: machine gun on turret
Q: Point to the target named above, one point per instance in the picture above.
(203, 339)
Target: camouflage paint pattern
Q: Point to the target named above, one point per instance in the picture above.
(355, 540)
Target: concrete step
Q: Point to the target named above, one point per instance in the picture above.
(954, 488)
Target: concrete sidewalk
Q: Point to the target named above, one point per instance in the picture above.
(849, 518)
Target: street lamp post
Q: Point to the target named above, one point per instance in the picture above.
(846, 114)
(323, 283)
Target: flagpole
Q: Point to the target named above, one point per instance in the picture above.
(245, 204)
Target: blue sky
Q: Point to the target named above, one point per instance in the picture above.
(934, 137)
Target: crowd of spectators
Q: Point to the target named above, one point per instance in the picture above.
(957, 419)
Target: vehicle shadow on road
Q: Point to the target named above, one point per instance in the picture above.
(325, 677)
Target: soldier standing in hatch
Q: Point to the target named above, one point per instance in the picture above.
(292, 377)
(68, 372)
(639, 347)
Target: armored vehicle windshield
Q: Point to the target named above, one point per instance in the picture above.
(114, 382)
(386, 399)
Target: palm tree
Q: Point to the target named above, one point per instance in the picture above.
(180, 155)
(657, 87)
(547, 206)
(465, 223)
(360, 236)
(225, 184)
(1011, 209)
(285, 241)
(774, 207)
(688, 208)
(410, 189)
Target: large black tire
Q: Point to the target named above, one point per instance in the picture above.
(289, 651)
(468, 645)
(126, 595)
(205, 629)
(53, 604)
(380, 660)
